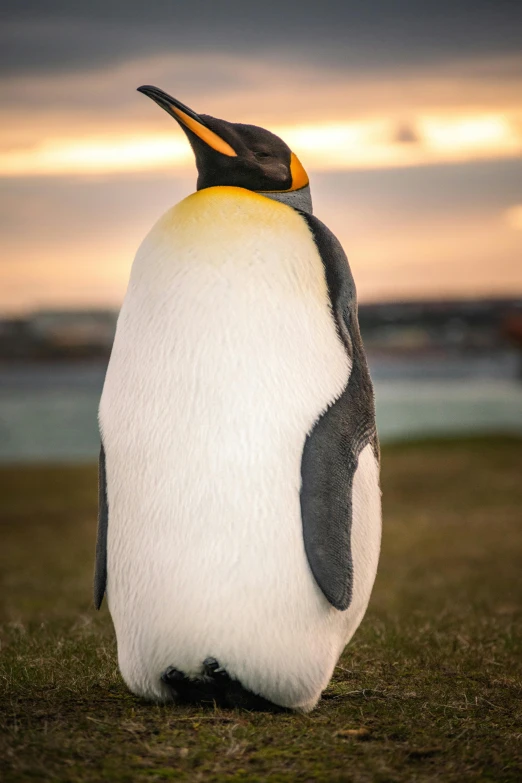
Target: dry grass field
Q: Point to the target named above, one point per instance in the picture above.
(429, 689)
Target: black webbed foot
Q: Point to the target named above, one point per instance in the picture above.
(186, 690)
(211, 668)
(171, 676)
(215, 687)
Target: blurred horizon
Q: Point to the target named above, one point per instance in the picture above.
(409, 124)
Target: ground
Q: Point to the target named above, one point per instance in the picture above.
(428, 690)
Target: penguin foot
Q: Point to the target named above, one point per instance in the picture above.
(215, 687)
(211, 668)
(199, 690)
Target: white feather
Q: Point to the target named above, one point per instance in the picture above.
(225, 355)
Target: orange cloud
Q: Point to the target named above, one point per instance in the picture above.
(364, 144)
(513, 217)
(95, 123)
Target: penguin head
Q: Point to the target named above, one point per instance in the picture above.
(229, 153)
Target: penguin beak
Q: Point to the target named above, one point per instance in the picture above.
(191, 122)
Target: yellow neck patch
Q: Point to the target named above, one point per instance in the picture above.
(299, 175)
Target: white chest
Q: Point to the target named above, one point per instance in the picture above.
(226, 354)
(225, 339)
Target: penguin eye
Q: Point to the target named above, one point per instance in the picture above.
(262, 155)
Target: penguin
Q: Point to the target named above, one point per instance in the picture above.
(239, 503)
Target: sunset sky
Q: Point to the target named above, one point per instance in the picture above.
(406, 115)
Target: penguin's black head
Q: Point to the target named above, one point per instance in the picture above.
(229, 153)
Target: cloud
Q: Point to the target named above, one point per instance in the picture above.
(60, 36)
(405, 133)
(368, 94)
(362, 144)
(513, 217)
(95, 122)
(409, 232)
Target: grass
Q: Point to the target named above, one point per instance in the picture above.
(430, 688)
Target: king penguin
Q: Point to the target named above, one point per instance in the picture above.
(240, 510)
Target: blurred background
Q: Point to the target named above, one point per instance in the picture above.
(408, 119)
(407, 116)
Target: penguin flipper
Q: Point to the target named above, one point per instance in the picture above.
(332, 448)
(100, 570)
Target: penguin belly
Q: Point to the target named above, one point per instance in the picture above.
(226, 353)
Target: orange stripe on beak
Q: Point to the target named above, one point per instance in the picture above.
(205, 134)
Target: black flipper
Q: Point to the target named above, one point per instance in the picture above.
(100, 570)
(332, 448)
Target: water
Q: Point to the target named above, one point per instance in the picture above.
(49, 412)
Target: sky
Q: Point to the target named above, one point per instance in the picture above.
(406, 115)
